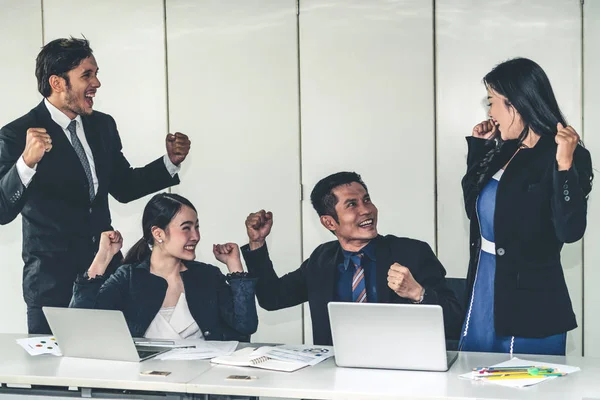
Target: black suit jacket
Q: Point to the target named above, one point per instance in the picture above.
(315, 281)
(61, 227)
(224, 308)
(538, 208)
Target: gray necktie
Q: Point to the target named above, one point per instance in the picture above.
(82, 157)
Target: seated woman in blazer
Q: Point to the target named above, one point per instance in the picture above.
(526, 187)
(162, 292)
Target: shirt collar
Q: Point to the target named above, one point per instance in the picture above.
(58, 116)
(368, 251)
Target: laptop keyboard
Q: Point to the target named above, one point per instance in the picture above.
(146, 353)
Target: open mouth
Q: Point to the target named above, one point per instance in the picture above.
(191, 247)
(368, 223)
(89, 98)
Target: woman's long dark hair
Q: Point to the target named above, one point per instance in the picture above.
(159, 212)
(527, 88)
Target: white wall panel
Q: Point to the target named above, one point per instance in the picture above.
(128, 43)
(233, 87)
(21, 21)
(591, 136)
(471, 37)
(366, 73)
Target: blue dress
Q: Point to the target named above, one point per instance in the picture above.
(478, 333)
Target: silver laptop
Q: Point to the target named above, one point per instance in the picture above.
(100, 334)
(391, 336)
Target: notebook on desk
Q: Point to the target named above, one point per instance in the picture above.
(258, 358)
(99, 334)
(390, 336)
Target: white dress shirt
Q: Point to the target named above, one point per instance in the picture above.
(26, 174)
(174, 323)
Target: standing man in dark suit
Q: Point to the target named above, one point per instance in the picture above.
(360, 266)
(58, 163)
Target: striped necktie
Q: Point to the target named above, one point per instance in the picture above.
(359, 289)
(78, 147)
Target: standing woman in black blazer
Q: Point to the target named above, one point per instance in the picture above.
(526, 187)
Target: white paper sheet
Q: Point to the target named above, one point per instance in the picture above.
(515, 362)
(40, 345)
(310, 355)
(202, 350)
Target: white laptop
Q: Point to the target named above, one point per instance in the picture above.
(391, 336)
(100, 334)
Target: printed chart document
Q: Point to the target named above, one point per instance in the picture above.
(40, 345)
(522, 382)
(287, 358)
(201, 350)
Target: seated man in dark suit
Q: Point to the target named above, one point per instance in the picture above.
(360, 266)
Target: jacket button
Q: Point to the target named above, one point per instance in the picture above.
(566, 192)
(500, 251)
(207, 333)
(565, 186)
(93, 239)
(567, 198)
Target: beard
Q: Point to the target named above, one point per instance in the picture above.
(72, 105)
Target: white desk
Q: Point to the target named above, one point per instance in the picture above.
(326, 381)
(18, 367)
(323, 381)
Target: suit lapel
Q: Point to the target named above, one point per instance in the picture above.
(94, 140)
(61, 162)
(384, 261)
(327, 273)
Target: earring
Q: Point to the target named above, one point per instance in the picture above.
(160, 240)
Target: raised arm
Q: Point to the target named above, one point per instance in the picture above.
(273, 292)
(19, 156)
(237, 304)
(128, 183)
(93, 289)
(572, 182)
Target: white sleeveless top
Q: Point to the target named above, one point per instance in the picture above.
(174, 323)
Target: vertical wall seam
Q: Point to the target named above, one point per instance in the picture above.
(582, 102)
(166, 55)
(435, 164)
(302, 316)
(43, 26)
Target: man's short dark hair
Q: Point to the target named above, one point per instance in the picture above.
(322, 197)
(57, 58)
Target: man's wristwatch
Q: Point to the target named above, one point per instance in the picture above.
(421, 298)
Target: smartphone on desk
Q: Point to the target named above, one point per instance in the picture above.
(155, 373)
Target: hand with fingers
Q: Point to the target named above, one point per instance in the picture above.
(485, 130)
(567, 140)
(37, 144)
(110, 244)
(401, 281)
(258, 227)
(229, 254)
(178, 147)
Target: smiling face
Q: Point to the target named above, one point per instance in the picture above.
(356, 221)
(180, 237)
(504, 115)
(75, 96)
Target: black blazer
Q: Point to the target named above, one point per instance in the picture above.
(315, 282)
(224, 309)
(61, 227)
(538, 208)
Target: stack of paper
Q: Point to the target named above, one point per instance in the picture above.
(286, 358)
(514, 381)
(40, 345)
(202, 350)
